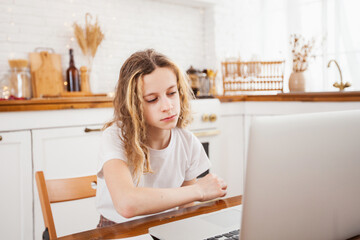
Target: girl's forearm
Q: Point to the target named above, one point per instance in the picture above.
(142, 201)
(133, 201)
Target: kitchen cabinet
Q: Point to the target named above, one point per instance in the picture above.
(56, 143)
(16, 185)
(62, 153)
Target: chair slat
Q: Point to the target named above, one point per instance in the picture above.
(61, 190)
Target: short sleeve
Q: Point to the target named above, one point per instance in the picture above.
(111, 147)
(198, 160)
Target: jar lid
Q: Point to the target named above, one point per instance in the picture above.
(191, 70)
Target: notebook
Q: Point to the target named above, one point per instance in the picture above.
(302, 182)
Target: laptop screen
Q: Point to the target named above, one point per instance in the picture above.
(302, 178)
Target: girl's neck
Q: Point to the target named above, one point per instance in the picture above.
(158, 139)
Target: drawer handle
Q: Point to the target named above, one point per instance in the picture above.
(212, 117)
(205, 117)
(92, 130)
(0, 138)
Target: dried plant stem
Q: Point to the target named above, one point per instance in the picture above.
(302, 52)
(89, 38)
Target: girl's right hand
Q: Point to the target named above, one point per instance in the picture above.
(211, 187)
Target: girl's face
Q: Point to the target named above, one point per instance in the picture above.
(161, 99)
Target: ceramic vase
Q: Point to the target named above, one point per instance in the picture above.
(297, 82)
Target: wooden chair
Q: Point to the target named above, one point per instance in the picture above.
(61, 190)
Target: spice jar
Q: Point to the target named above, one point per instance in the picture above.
(204, 84)
(20, 83)
(194, 79)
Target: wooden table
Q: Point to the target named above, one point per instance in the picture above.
(141, 226)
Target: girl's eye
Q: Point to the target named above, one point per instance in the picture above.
(172, 93)
(151, 100)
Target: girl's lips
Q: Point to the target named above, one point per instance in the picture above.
(171, 118)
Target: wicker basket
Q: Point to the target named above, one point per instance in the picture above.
(252, 76)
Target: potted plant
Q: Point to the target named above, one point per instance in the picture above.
(302, 52)
(89, 38)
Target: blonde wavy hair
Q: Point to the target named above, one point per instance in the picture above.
(128, 106)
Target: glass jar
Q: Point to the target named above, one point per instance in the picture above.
(20, 83)
(4, 87)
(204, 84)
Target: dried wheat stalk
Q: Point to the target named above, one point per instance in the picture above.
(89, 38)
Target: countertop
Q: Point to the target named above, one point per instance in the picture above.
(37, 104)
(351, 96)
(106, 102)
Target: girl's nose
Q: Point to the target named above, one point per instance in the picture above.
(166, 105)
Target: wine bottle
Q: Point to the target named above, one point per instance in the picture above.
(72, 75)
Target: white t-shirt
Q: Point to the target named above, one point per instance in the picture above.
(182, 160)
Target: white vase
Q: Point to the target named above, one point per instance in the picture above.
(297, 82)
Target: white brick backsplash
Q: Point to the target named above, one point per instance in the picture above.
(189, 34)
(175, 30)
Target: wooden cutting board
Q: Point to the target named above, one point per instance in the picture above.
(46, 74)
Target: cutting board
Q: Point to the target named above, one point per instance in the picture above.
(46, 74)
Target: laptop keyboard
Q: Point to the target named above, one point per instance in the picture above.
(233, 235)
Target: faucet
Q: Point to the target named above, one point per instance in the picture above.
(340, 85)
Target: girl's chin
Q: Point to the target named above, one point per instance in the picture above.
(167, 126)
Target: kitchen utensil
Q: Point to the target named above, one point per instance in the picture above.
(239, 77)
(46, 73)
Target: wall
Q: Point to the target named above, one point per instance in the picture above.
(173, 29)
(201, 33)
(238, 30)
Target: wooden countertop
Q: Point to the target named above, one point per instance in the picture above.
(353, 96)
(37, 104)
(106, 102)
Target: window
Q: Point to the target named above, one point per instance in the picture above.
(334, 23)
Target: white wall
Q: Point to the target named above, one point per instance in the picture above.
(201, 35)
(190, 33)
(173, 29)
(238, 28)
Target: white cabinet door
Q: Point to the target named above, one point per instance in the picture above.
(16, 185)
(62, 153)
(232, 152)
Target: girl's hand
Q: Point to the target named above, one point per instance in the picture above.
(210, 187)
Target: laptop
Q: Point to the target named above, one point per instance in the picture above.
(302, 182)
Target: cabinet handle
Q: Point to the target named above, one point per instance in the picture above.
(0, 138)
(205, 117)
(92, 130)
(212, 117)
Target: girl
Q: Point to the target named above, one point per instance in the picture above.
(148, 161)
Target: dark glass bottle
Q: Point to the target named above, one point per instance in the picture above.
(72, 75)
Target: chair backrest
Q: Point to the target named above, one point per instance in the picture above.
(62, 190)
